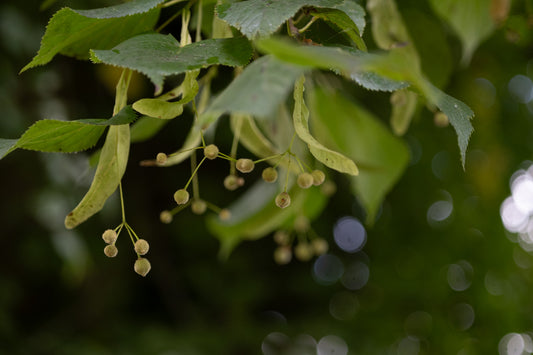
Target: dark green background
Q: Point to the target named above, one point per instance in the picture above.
(59, 294)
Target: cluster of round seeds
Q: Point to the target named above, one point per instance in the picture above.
(304, 180)
(141, 247)
(110, 237)
(305, 248)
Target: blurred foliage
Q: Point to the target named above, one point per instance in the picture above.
(451, 286)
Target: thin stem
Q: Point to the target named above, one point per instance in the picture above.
(287, 175)
(132, 231)
(292, 141)
(122, 203)
(172, 2)
(170, 19)
(195, 182)
(183, 151)
(235, 143)
(198, 36)
(268, 158)
(303, 29)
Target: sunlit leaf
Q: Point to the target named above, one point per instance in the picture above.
(328, 157)
(65, 136)
(75, 32)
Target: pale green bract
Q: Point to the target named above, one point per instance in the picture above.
(111, 167)
(328, 157)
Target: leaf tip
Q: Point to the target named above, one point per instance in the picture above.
(70, 221)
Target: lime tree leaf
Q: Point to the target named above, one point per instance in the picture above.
(71, 33)
(380, 156)
(328, 157)
(60, 136)
(7, 146)
(347, 61)
(65, 136)
(343, 23)
(258, 91)
(111, 167)
(157, 55)
(259, 18)
(373, 81)
(121, 10)
(470, 19)
(254, 214)
(389, 31)
(398, 66)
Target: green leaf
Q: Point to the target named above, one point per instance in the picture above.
(397, 65)
(259, 18)
(347, 61)
(73, 33)
(343, 23)
(161, 108)
(111, 167)
(258, 91)
(65, 136)
(470, 19)
(373, 81)
(157, 55)
(328, 157)
(121, 10)
(60, 136)
(380, 156)
(254, 214)
(7, 146)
